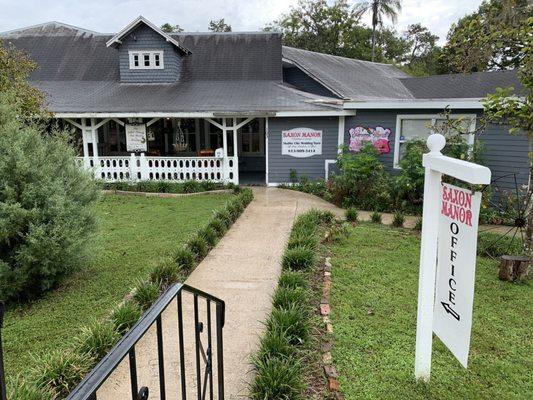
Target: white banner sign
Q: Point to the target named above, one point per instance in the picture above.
(456, 266)
(136, 137)
(301, 142)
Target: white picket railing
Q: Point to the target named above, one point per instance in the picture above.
(141, 168)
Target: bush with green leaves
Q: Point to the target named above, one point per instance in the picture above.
(351, 214)
(375, 217)
(198, 246)
(223, 216)
(46, 209)
(97, 338)
(492, 244)
(298, 258)
(285, 298)
(165, 272)
(298, 239)
(293, 321)
(145, 294)
(277, 378)
(398, 219)
(218, 226)
(275, 344)
(166, 186)
(418, 224)
(210, 235)
(125, 315)
(292, 279)
(20, 388)
(185, 258)
(59, 371)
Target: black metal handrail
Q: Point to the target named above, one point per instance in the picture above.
(87, 389)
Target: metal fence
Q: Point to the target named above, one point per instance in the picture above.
(204, 383)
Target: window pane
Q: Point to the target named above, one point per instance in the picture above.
(156, 58)
(136, 60)
(463, 125)
(191, 141)
(415, 128)
(146, 60)
(255, 143)
(246, 143)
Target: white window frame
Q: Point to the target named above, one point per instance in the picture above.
(151, 53)
(432, 118)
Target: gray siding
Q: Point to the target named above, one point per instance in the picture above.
(279, 166)
(296, 77)
(144, 38)
(502, 153)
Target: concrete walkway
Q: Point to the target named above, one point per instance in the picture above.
(242, 270)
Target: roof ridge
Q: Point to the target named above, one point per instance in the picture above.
(461, 74)
(51, 23)
(342, 57)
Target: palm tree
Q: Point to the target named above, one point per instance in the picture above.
(380, 9)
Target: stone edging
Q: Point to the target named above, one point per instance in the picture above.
(163, 195)
(333, 384)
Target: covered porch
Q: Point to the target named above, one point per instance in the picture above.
(177, 148)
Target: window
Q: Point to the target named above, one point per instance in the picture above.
(150, 59)
(252, 135)
(420, 126)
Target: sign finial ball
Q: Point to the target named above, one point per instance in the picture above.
(436, 142)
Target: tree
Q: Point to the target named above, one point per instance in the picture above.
(423, 52)
(15, 68)
(46, 215)
(219, 25)
(168, 28)
(505, 106)
(380, 9)
(492, 38)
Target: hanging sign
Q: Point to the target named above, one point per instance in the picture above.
(456, 269)
(301, 142)
(136, 137)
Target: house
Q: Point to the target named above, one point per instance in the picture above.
(240, 107)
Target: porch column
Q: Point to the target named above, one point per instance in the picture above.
(85, 139)
(95, 147)
(225, 162)
(235, 154)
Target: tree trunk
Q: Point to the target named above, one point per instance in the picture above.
(373, 42)
(514, 268)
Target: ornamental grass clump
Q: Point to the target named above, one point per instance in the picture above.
(285, 298)
(47, 220)
(218, 226)
(303, 240)
(20, 388)
(185, 258)
(97, 338)
(298, 259)
(352, 214)
(375, 217)
(198, 246)
(224, 216)
(275, 344)
(165, 272)
(292, 280)
(277, 378)
(210, 236)
(125, 316)
(398, 219)
(59, 371)
(293, 321)
(145, 294)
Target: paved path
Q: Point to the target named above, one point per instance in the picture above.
(242, 270)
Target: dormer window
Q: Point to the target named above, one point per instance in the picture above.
(149, 59)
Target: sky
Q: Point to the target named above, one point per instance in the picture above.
(109, 16)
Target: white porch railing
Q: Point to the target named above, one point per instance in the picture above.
(141, 168)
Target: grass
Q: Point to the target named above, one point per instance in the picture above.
(374, 298)
(134, 233)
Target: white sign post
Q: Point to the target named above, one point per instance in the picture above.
(301, 142)
(436, 165)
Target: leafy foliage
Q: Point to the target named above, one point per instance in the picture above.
(219, 25)
(165, 272)
(298, 258)
(97, 339)
(398, 219)
(169, 28)
(276, 378)
(125, 316)
(145, 294)
(351, 214)
(46, 213)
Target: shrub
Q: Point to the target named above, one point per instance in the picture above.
(125, 316)
(351, 214)
(209, 185)
(97, 338)
(185, 258)
(217, 226)
(293, 321)
(165, 272)
(276, 378)
(292, 280)
(60, 371)
(497, 244)
(192, 187)
(275, 344)
(145, 294)
(285, 298)
(398, 219)
(375, 217)
(234, 210)
(46, 213)
(198, 246)
(418, 224)
(22, 389)
(224, 216)
(209, 235)
(302, 240)
(298, 258)
(338, 231)
(321, 216)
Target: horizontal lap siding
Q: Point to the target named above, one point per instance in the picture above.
(144, 38)
(279, 166)
(296, 77)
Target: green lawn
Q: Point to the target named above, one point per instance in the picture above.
(374, 299)
(133, 232)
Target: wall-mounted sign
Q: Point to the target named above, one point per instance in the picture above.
(136, 137)
(301, 142)
(378, 136)
(456, 268)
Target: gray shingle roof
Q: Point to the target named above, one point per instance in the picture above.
(224, 72)
(349, 78)
(475, 85)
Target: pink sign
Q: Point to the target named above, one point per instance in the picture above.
(378, 136)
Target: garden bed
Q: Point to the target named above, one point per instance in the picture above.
(134, 232)
(374, 300)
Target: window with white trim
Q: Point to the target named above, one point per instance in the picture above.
(420, 126)
(252, 137)
(148, 59)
